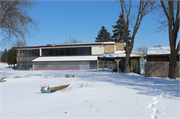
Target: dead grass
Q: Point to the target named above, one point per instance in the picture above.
(17, 76)
(57, 75)
(69, 75)
(45, 77)
(27, 76)
(3, 78)
(85, 85)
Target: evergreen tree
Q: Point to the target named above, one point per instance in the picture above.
(4, 56)
(11, 57)
(119, 32)
(103, 35)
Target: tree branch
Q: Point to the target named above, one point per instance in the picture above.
(164, 8)
(177, 49)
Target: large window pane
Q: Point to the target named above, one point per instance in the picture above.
(68, 51)
(75, 51)
(46, 52)
(19, 53)
(93, 64)
(71, 64)
(21, 65)
(41, 65)
(85, 51)
(27, 53)
(24, 53)
(28, 65)
(62, 51)
(24, 65)
(37, 53)
(55, 52)
(88, 51)
(55, 64)
(81, 51)
(31, 53)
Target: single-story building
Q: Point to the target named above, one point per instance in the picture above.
(157, 64)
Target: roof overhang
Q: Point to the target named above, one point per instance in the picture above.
(65, 59)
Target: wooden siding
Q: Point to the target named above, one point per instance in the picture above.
(119, 46)
(159, 69)
(108, 48)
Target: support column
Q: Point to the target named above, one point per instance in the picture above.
(112, 65)
(117, 61)
(98, 65)
(40, 52)
(103, 64)
(108, 65)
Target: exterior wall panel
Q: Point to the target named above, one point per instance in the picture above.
(109, 48)
(159, 69)
(119, 46)
(96, 50)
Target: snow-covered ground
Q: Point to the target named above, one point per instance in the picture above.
(101, 95)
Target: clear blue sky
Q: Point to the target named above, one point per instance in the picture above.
(82, 20)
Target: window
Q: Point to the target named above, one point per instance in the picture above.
(24, 65)
(28, 65)
(31, 53)
(68, 51)
(21, 53)
(85, 51)
(75, 51)
(55, 52)
(24, 53)
(46, 52)
(27, 53)
(62, 51)
(36, 53)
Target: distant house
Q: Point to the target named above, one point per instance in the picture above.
(157, 64)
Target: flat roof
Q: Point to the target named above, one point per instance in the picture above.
(158, 50)
(117, 54)
(65, 45)
(66, 58)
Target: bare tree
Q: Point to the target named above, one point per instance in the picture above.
(20, 43)
(144, 7)
(15, 21)
(73, 40)
(171, 11)
(142, 49)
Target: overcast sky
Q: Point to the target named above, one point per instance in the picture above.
(82, 20)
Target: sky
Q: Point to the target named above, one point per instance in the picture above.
(82, 20)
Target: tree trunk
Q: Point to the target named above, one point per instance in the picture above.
(173, 65)
(127, 63)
